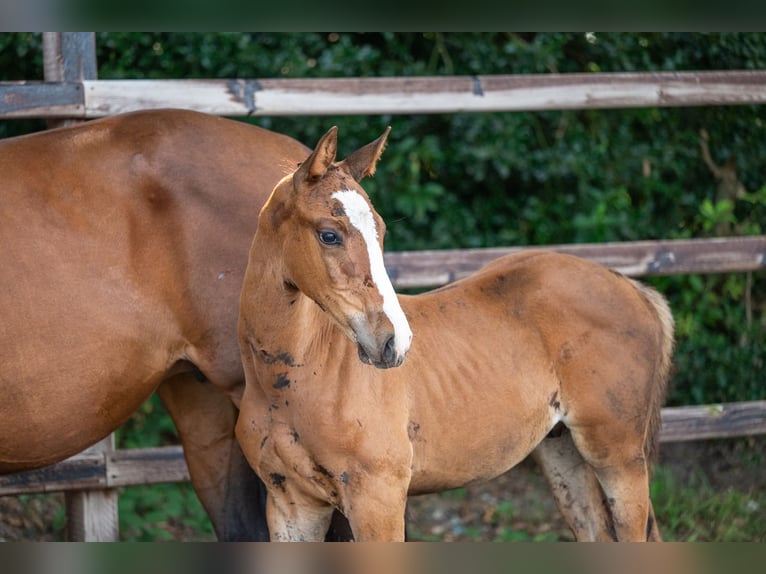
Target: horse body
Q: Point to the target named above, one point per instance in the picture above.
(123, 244)
(532, 342)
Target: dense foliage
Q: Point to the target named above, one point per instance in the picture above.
(467, 180)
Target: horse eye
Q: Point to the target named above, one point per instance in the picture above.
(330, 237)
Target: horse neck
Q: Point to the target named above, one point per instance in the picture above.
(284, 320)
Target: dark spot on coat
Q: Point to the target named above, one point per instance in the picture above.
(282, 381)
(281, 357)
(295, 435)
(344, 477)
(263, 440)
(412, 430)
(554, 402)
(322, 470)
(273, 407)
(278, 480)
(611, 531)
(337, 210)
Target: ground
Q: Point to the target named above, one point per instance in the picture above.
(515, 506)
(518, 506)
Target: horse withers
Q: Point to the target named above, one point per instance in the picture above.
(123, 243)
(356, 398)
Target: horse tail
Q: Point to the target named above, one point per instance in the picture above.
(662, 371)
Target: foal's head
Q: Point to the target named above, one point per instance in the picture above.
(332, 248)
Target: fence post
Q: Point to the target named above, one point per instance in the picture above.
(68, 57)
(91, 515)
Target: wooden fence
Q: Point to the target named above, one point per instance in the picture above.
(71, 93)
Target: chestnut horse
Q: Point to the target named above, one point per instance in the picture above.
(123, 243)
(537, 352)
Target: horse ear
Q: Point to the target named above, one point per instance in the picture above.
(321, 158)
(362, 162)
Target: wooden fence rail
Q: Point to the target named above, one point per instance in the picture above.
(130, 467)
(77, 95)
(432, 268)
(392, 95)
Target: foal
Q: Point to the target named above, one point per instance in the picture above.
(533, 343)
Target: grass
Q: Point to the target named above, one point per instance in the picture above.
(687, 506)
(695, 512)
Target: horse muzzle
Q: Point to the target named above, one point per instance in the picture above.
(383, 358)
(381, 346)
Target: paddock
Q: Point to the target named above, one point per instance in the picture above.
(72, 93)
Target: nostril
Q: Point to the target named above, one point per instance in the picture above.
(388, 350)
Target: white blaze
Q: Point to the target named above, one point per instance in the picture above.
(360, 216)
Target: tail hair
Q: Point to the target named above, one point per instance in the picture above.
(662, 372)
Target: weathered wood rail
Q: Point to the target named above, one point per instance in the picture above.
(76, 95)
(432, 268)
(130, 467)
(392, 95)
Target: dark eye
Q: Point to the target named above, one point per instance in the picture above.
(330, 237)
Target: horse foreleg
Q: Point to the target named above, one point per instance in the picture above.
(296, 518)
(231, 493)
(575, 488)
(376, 513)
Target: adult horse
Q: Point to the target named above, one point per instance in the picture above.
(334, 417)
(123, 244)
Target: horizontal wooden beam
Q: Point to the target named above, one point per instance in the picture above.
(41, 100)
(388, 95)
(417, 269)
(129, 467)
(125, 467)
(724, 420)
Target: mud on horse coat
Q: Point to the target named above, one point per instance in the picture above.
(123, 243)
(355, 398)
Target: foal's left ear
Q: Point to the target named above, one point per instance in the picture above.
(362, 162)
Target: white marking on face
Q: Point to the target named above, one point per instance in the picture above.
(360, 216)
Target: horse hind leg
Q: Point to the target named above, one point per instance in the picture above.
(618, 461)
(575, 488)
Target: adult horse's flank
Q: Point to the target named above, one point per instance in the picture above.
(123, 243)
(537, 352)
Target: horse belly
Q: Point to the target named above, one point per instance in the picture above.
(72, 372)
(480, 428)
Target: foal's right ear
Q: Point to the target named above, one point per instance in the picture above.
(320, 159)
